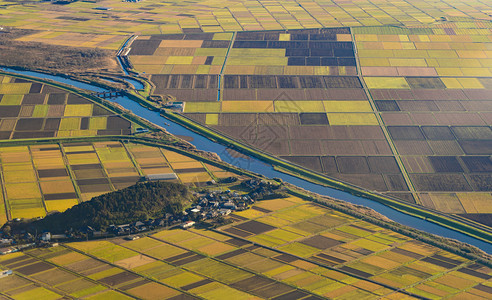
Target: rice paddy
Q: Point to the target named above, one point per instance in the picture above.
(317, 252)
(313, 109)
(35, 110)
(393, 97)
(40, 179)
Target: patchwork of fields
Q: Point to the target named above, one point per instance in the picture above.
(110, 18)
(300, 251)
(35, 110)
(405, 112)
(36, 180)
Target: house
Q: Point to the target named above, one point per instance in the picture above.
(7, 250)
(46, 236)
(164, 176)
(187, 224)
(5, 273)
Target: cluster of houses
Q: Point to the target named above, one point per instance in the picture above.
(210, 205)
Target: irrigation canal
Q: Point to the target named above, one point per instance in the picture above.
(257, 166)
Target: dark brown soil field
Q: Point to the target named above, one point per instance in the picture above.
(425, 83)
(387, 105)
(237, 94)
(329, 164)
(280, 94)
(337, 147)
(276, 147)
(238, 232)
(60, 196)
(254, 227)
(395, 182)
(32, 99)
(34, 268)
(252, 283)
(353, 164)
(57, 99)
(438, 132)
(278, 119)
(310, 162)
(480, 182)
(440, 182)
(406, 133)
(472, 133)
(237, 119)
(320, 242)
(313, 119)
(272, 290)
(33, 134)
(417, 105)
(89, 173)
(369, 181)
(119, 278)
(478, 164)
(29, 124)
(383, 164)
(446, 147)
(445, 164)
(95, 188)
(144, 47)
(307, 147)
(476, 147)
(413, 148)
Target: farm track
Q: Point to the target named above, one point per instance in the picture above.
(383, 127)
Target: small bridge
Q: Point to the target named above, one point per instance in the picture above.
(109, 94)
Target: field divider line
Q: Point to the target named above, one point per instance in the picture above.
(132, 158)
(126, 270)
(220, 87)
(3, 188)
(105, 172)
(482, 233)
(63, 269)
(387, 136)
(322, 265)
(43, 285)
(6, 296)
(231, 265)
(307, 12)
(38, 182)
(70, 172)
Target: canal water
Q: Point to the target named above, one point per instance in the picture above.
(257, 166)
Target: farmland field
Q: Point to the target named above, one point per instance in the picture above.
(34, 110)
(310, 83)
(391, 96)
(294, 248)
(40, 179)
(379, 109)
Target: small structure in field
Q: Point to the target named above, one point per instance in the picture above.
(164, 176)
(187, 224)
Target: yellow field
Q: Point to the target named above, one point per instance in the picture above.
(386, 83)
(247, 106)
(14, 88)
(347, 106)
(69, 124)
(78, 110)
(299, 106)
(352, 119)
(212, 107)
(60, 205)
(23, 190)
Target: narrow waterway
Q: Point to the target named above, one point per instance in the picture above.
(257, 166)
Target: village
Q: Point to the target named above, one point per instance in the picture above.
(209, 209)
